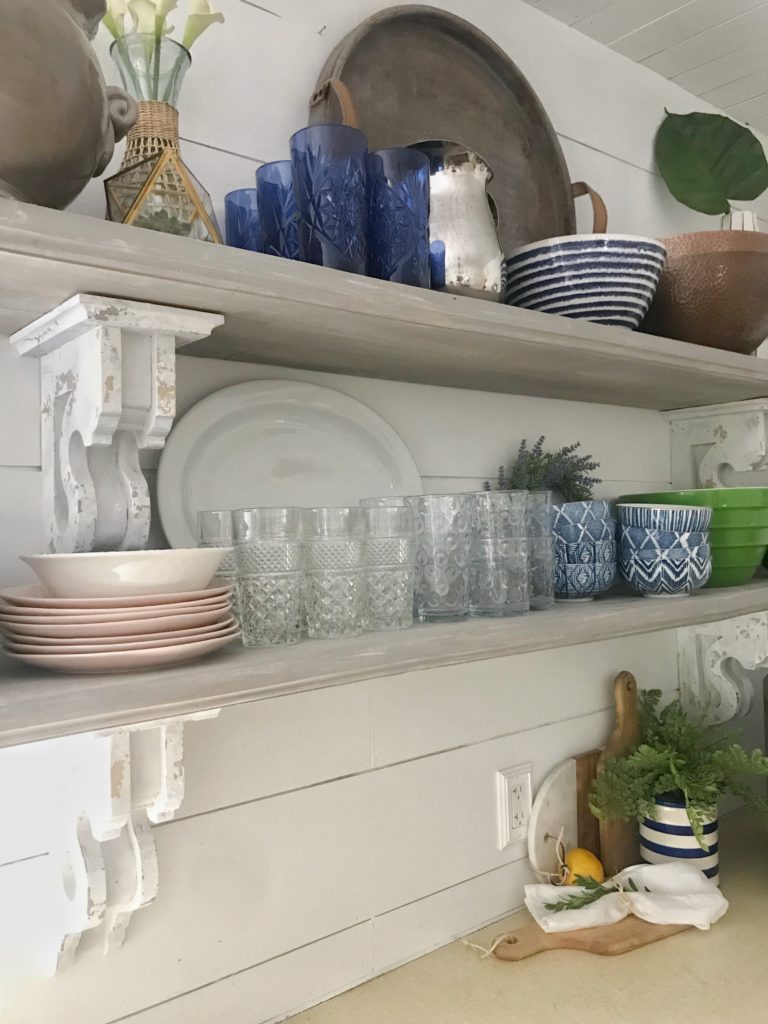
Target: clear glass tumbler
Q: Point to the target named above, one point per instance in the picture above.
(389, 556)
(270, 574)
(335, 581)
(541, 550)
(498, 568)
(443, 523)
(215, 531)
(390, 501)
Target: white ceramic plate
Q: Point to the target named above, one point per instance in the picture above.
(125, 661)
(18, 626)
(116, 638)
(126, 574)
(277, 442)
(38, 596)
(33, 645)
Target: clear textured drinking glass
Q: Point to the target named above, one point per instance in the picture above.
(389, 554)
(443, 523)
(277, 209)
(398, 216)
(215, 531)
(328, 162)
(335, 581)
(541, 551)
(270, 574)
(390, 501)
(241, 212)
(498, 568)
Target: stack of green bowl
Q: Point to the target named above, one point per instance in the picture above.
(739, 532)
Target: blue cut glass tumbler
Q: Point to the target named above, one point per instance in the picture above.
(328, 162)
(277, 210)
(242, 219)
(398, 216)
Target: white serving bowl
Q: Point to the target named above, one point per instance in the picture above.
(127, 573)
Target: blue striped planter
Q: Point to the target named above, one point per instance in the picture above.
(670, 838)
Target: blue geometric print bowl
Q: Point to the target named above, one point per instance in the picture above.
(639, 538)
(680, 518)
(574, 522)
(672, 573)
(610, 279)
(582, 582)
(585, 551)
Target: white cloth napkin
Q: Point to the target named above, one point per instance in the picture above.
(678, 894)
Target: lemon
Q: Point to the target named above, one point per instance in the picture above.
(582, 862)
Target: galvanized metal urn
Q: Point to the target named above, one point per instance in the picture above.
(465, 255)
(58, 120)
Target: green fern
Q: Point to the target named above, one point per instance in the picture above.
(677, 754)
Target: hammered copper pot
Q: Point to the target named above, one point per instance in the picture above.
(58, 120)
(714, 290)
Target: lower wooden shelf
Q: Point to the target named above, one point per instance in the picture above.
(38, 706)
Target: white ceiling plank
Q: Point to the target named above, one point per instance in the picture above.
(683, 26)
(623, 17)
(724, 38)
(751, 111)
(570, 11)
(725, 69)
(748, 87)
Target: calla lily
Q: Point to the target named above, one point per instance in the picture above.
(114, 19)
(144, 13)
(201, 15)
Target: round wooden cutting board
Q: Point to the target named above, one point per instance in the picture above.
(417, 73)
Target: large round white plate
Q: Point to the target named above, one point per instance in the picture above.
(277, 442)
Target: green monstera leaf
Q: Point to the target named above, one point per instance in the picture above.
(708, 159)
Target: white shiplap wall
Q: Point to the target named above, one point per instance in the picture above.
(716, 48)
(328, 836)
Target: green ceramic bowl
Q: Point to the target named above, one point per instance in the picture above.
(739, 532)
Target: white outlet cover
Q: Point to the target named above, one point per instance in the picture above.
(513, 792)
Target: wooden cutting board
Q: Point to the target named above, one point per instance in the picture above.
(607, 940)
(618, 839)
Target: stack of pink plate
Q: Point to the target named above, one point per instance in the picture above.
(118, 612)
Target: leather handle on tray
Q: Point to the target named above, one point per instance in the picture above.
(343, 98)
(599, 211)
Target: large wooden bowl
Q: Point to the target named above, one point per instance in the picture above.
(714, 290)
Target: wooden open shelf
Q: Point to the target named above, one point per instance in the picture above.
(291, 314)
(36, 705)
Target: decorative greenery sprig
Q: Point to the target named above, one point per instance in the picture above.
(149, 17)
(562, 471)
(678, 754)
(592, 892)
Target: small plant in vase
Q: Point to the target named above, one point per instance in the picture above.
(563, 472)
(713, 288)
(672, 782)
(154, 188)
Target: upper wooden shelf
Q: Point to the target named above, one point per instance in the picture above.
(292, 314)
(38, 705)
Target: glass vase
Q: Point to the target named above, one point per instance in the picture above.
(151, 68)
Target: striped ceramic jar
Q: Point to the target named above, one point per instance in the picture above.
(670, 838)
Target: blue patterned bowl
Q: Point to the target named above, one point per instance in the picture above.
(582, 582)
(575, 522)
(672, 573)
(585, 551)
(610, 279)
(639, 538)
(679, 518)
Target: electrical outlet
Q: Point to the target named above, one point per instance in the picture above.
(513, 791)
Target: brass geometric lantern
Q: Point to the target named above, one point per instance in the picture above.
(154, 188)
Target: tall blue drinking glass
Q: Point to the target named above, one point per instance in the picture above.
(328, 162)
(277, 209)
(398, 216)
(242, 219)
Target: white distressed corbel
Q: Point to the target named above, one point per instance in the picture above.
(708, 443)
(108, 390)
(714, 665)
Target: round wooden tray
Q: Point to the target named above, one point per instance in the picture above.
(418, 73)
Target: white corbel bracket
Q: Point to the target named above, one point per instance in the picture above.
(77, 853)
(108, 389)
(714, 662)
(707, 442)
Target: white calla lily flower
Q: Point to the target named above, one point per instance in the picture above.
(201, 16)
(114, 19)
(144, 13)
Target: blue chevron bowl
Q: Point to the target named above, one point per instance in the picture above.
(676, 572)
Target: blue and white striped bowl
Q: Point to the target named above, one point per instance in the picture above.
(610, 279)
(670, 838)
(680, 518)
